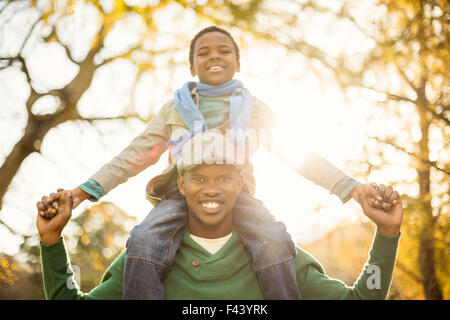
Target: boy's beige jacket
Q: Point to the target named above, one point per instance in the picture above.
(146, 148)
(166, 125)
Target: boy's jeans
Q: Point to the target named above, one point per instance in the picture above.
(153, 244)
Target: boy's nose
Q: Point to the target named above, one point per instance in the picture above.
(214, 55)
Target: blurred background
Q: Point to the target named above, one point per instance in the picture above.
(364, 83)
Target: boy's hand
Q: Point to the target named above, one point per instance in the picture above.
(48, 206)
(387, 194)
(50, 230)
(388, 222)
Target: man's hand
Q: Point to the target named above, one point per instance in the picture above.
(387, 195)
(50, 230)
(48, 206)
(388, 222)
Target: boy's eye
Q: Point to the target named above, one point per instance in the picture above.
(224, 179)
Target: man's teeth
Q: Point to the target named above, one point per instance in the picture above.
(210, 205)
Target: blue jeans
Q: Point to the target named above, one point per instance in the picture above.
(152, 246)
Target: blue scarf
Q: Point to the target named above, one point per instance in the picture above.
(241, 102)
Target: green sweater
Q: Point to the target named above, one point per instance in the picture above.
(227, 274)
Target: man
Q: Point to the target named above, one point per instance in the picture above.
(213, 261)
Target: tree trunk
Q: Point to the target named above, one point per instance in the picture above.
(21, 150)
(38, 127)
(432, 289)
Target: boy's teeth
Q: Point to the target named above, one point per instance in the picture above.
(215, 68)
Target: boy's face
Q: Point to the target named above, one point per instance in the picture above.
(215, 59)
(210, 192)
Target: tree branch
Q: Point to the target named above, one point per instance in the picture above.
(4, 7)
(299, 46)
(123, 55)
(391, 96)
(68, 53)
(29, 35)
(9, 228)
(129, 51)
(24, 68)
(438, 115)
(9, 63)
(431, 163)
(53, 37)
(343, 13)
(404, 76)
(124, 117)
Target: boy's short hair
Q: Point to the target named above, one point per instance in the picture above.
(207, 30)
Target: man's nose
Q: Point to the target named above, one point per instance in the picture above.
(211, 189)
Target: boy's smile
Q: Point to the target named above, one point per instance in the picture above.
(215, 59)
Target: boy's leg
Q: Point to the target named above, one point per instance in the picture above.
(151, 249)
(271, 247)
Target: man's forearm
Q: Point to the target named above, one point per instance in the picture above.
(375, 280)
(57, 273)
(373, 283)
(50, 239)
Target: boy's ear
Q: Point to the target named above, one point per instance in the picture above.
(238, 67)
(180, 183)
(192, 71)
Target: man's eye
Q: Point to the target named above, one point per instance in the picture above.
(198, 179)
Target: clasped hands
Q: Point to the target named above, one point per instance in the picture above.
(379, 203)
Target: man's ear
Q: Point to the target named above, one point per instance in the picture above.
(240, 181)
(180, 183)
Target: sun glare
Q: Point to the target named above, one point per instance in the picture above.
(312, 117)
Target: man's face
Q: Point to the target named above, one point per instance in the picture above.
(215, 59)
(210, 192)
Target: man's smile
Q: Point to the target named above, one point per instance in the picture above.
(211, 192)
(211, 205)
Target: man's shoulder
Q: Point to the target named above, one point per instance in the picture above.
(304, 260)
(117, 266)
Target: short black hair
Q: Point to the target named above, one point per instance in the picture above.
(207, 30)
